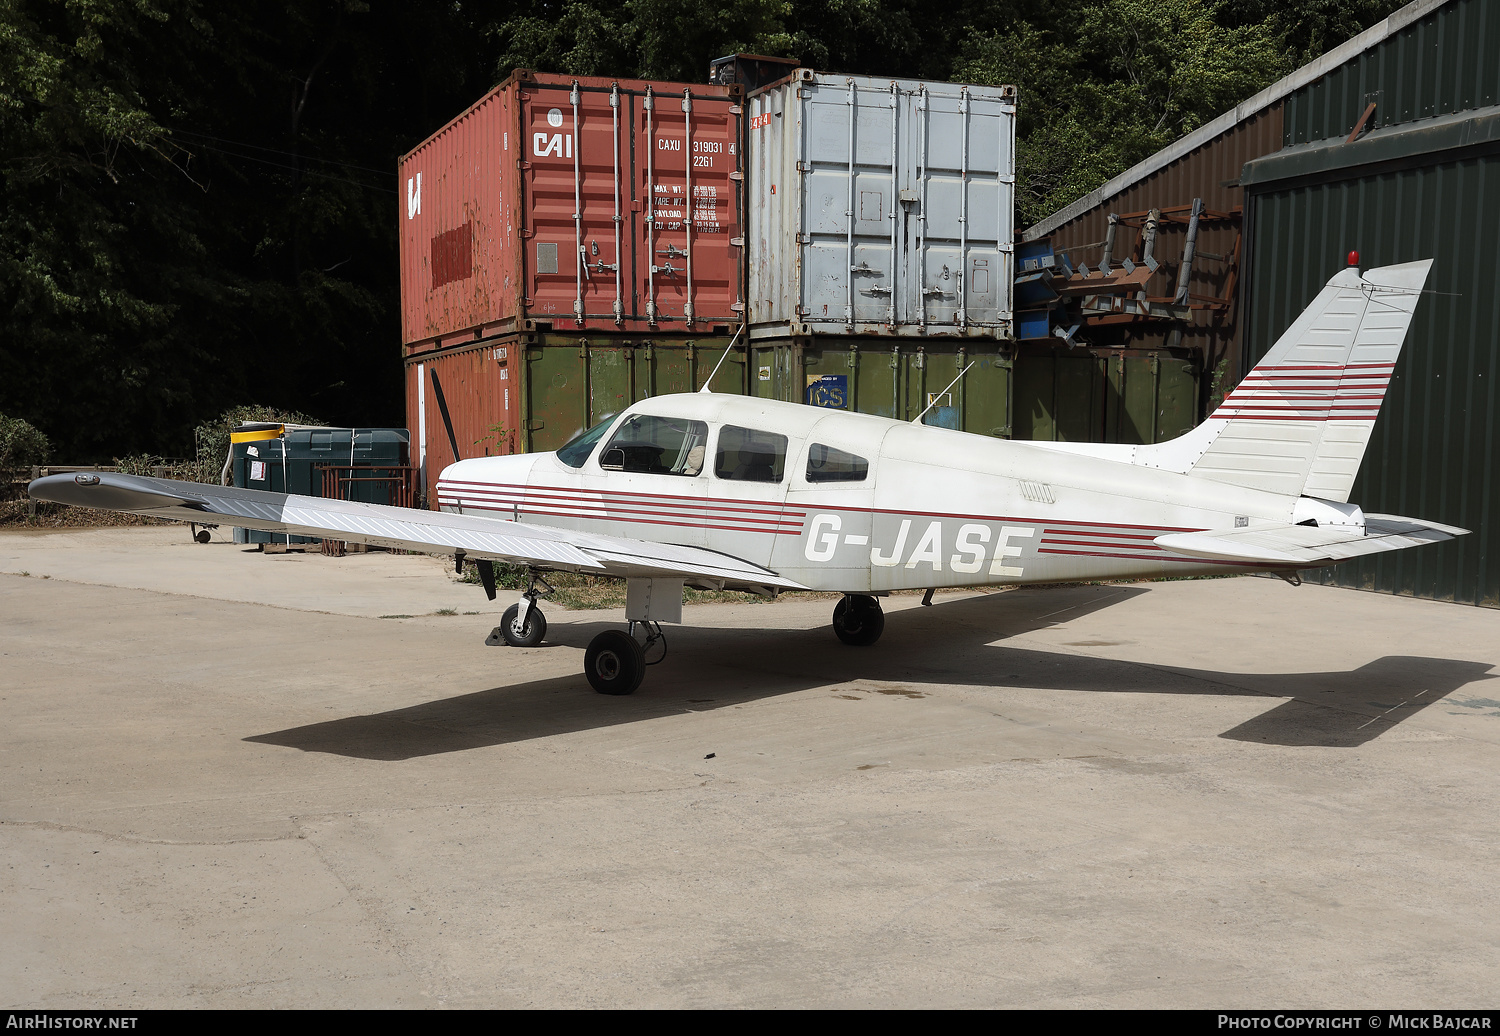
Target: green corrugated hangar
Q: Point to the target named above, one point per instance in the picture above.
(1388, 146)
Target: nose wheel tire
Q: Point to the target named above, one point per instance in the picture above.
(614, 662)
(528, 634)
(858, 620)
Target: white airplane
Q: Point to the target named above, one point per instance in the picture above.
(728, 492)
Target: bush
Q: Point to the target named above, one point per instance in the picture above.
(212, 437)
(21, 446)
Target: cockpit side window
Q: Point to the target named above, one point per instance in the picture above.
(578, 448)
(748, 455)
(657, 445)
(829, 464)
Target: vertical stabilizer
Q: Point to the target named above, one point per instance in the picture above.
(1300, 421)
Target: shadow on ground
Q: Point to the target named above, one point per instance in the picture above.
(957, 642)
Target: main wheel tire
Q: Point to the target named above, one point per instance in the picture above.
(858, 620)
(203, 536)
(614, 663)
(517, 635)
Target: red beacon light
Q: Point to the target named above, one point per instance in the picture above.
(1353, 258)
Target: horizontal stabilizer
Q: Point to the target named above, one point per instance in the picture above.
(1304, 546)
(403, 528)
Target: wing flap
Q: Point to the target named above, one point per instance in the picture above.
(1306, 545)
(403, 528)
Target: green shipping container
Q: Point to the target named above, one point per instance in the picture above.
(1119, 396)
(572, 382)
(292, 462)
(890, 377)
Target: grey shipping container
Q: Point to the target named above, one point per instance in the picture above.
(880, 206)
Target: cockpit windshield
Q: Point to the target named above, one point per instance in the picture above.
(577, 451)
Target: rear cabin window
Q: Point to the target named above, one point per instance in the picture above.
(657, 445)
(748, 455)
(830, 464)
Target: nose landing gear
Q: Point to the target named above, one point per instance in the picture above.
(523, 624)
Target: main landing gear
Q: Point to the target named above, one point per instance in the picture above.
(858, 620)
(616, 660)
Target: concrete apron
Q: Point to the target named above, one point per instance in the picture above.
(227, 783)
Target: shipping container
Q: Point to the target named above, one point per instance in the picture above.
(1127, 396)
(891, 377)
(574, 203)
(533, 392)
(880, 206)
(366, 464)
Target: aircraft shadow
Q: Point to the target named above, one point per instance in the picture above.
(953, 642)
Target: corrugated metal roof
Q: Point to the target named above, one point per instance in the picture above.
(1432, 67)
(1468, 131)
(1208, 132)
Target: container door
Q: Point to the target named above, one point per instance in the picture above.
(689, 270)
(555, 397)
(851, 216)
(575, 175)
(961, 259)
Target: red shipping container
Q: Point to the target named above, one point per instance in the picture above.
(569, 203)
(469, 398)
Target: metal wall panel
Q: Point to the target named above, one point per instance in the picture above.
(881, 206)
(574, 203)
(1448, 61)
(1436, 445)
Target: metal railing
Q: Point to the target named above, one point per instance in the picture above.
(392, 484)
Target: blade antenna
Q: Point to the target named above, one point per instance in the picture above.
(932, 402)
(727, 351)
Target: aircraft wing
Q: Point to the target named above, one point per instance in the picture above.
(1305, 546)
(404, 528)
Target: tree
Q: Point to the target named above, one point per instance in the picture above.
(1123, 82)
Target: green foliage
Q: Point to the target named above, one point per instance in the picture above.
(1117, 83)
(21, 447)
(212, 437)
(197, 203)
